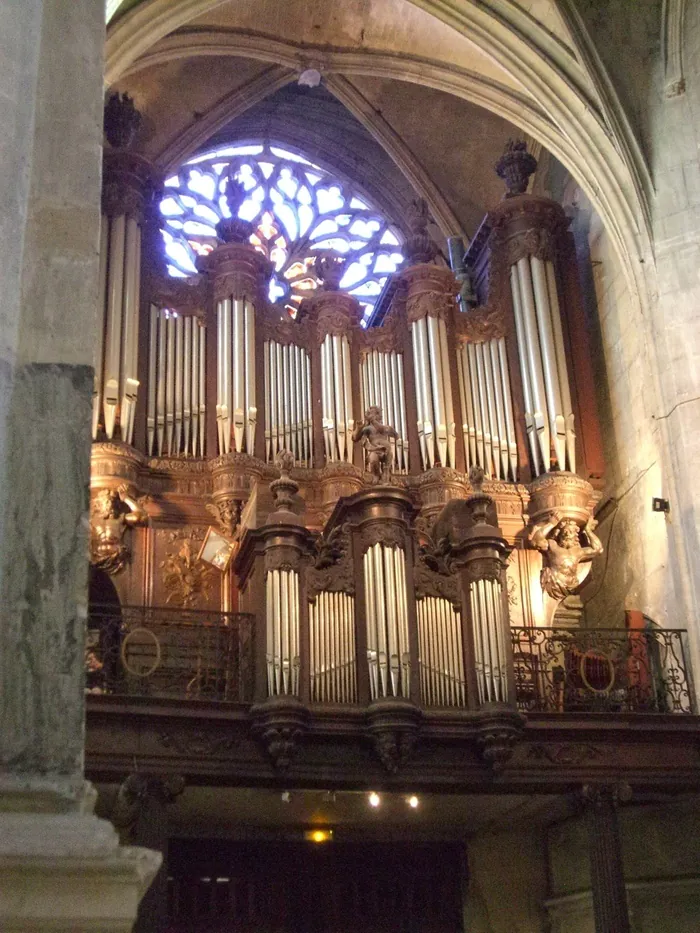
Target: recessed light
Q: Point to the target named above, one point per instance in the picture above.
(412, 801)
(374, 799)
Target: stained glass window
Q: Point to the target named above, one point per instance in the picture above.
(298, 208)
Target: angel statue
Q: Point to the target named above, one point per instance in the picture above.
(376, 439)
(559, 539)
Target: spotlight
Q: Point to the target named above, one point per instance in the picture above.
(412, 801)
(374, 799)
(318, 835)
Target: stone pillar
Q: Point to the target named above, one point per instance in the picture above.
(60, 867)
(605, 852)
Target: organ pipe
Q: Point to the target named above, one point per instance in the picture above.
(332, 648)
(387, 621)
(287, 397)
(282, 631)
(436, 425)
(487, 407)
(380, 385)
(236, 408)
(490, 658)
(336, 397)
(440, 653)
(176, 412)
(549, 418)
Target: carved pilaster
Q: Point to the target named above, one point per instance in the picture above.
(605, 853)
(431, 291)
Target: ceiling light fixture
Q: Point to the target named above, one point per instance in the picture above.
(412, 801)
(374, 799)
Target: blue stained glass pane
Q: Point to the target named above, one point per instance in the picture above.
(360, 205)
(202, 184)
(313, 178)
(292, 156)
(169, 207)
(249, 209)
(276, 291)
(324, 228)
(286, 183)
(364, 228)
(206, 213)
(397, 258)
(336, 243)
(172, 182)
(303, 195)
(354, 274)
(286, 215)
(306, 216)
(179, 254)
(195, 228)
(258, 195)
(367, 288)
(266, 168)
(223, 207)
(385, 263)
(329, 199)
(275, 196)
(176, 273)
(389, 239)
(175, 224)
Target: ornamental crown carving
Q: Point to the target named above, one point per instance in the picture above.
(481, 324)
(515, 167)
(121, 121)
(380, 531)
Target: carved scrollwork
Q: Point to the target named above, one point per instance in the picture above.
(430, 583)
(429, 303)
(332, 568)
(226, 512)
(484, 568)
(484, 323)
(381, 531)
(187, 296)
(567, 755)
(197, 743)
(186, 579)
(282, 557)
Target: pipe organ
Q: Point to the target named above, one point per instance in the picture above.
(378, 575)
(176, 417)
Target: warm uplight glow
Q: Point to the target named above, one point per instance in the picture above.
(412, 801)
(374, 799)
(318, 835)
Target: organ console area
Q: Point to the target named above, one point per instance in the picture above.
(221, 415)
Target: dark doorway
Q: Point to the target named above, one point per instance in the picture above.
(103, 633)
(295, 887)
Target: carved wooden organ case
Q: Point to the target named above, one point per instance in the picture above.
(200, 385)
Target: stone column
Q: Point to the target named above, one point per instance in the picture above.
(60, 867)
(605, 852)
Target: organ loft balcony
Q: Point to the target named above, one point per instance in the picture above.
(346, 541)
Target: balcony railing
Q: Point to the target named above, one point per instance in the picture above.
(162, 652)
(601, 670)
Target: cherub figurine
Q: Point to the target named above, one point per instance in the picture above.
(559, 539)
(376, 439)
(111, 512)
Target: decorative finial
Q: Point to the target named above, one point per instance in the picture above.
(419, 244)
(476, 479)
(285, 488)
(330, 268)
(121, 121)
(233, 229)
(515, 167)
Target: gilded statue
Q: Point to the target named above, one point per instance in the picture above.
(112, 511)
(376, 439)
(559, 540)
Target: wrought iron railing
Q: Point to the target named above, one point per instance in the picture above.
(601, 670)
(163, 652)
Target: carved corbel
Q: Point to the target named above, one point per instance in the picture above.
(498, 729)
(393, 725)
(280, 725)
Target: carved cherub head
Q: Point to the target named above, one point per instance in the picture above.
(373, 415)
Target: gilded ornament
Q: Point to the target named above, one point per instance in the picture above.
(559, 539)
(112, 511)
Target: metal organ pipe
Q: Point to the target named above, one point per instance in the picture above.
(336, 397)
(487, 407)
(549, 415)
(486, 603)
(282, 631)
(436, 426)
(176, 406)
(387, 621)
(380, 385)
(441, 654)
(287, 401)
(332, 648)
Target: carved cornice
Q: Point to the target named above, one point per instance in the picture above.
(431, 291)
(334, 313)
(524, 226)
(380, 531)
(283, 557)
(128, 183)
(237, 270)
(285, 331)
(188, 296)
(484, 323)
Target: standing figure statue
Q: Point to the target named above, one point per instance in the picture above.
(376, 439)
(559, 539)
(111, 512)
